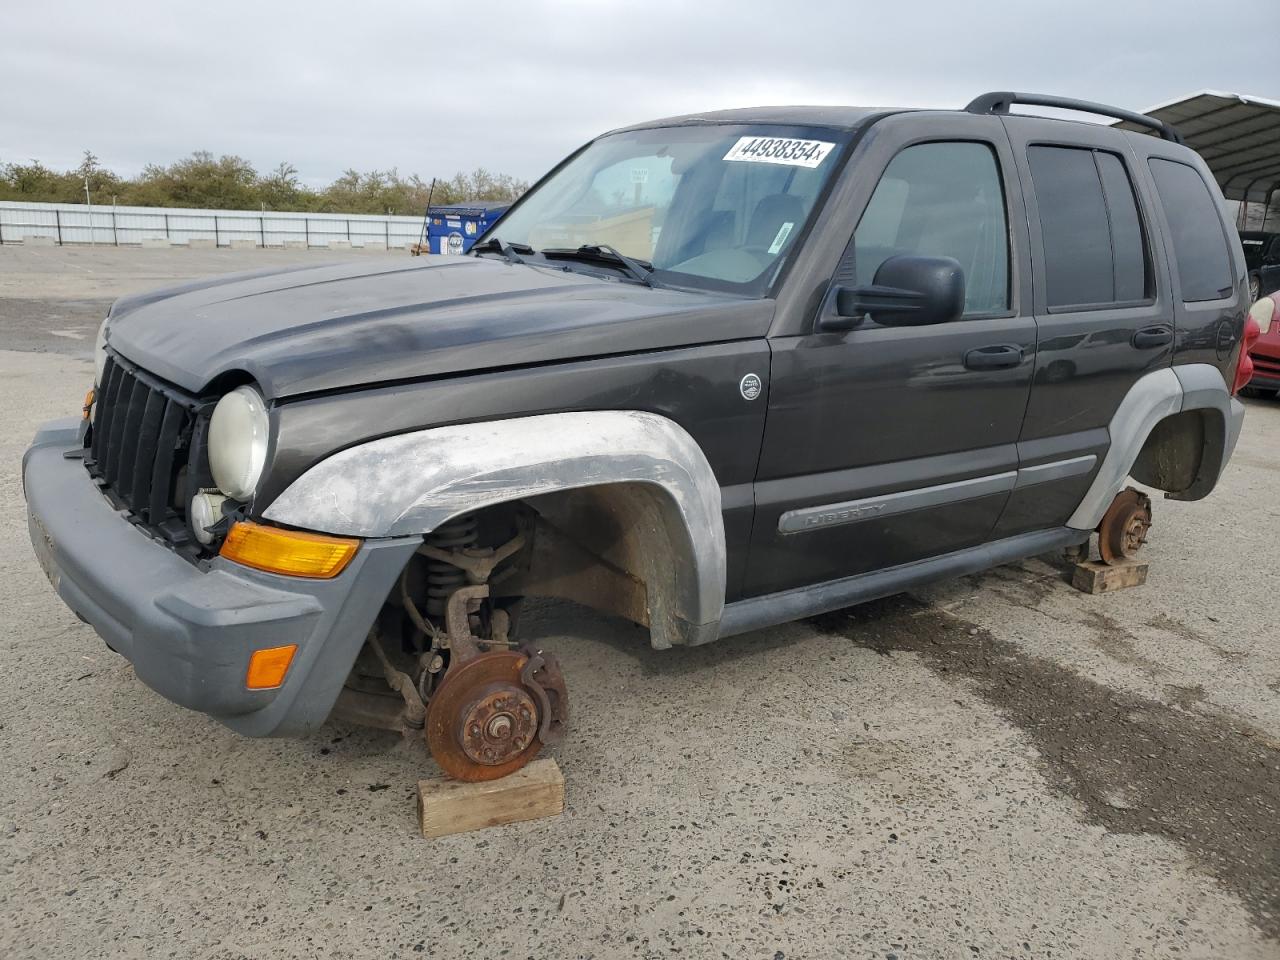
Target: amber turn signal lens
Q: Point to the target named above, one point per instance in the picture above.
(268, 667)
(88, 402)
(294, 553)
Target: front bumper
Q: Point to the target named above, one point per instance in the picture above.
(1266, 362)
(1265, 381)
(189, 630)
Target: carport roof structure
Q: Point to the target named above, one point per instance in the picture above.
(1238, 136)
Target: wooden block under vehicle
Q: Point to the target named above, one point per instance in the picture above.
(451, 806)
(1094, 577)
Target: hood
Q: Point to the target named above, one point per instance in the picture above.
(320, 328)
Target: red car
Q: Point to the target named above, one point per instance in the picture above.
(1265, 352)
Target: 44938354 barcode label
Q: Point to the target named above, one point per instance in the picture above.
(783, 150)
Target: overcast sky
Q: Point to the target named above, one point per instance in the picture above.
(437, 87)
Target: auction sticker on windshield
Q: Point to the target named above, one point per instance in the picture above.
(784, 150)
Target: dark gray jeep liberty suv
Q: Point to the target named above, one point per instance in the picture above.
(712, 373)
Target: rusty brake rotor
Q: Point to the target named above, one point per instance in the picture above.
(1124, 526)
(482, 722)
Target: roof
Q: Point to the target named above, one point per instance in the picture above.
(1238, 136)
(842, 118)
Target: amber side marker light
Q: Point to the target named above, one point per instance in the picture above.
(294, 553)
(88, 402)
(268, 667)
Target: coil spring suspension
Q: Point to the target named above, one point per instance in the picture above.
(444, 578)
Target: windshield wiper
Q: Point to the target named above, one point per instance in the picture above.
(638, 270)
(511, 251)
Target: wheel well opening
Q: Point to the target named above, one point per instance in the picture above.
(1175, 457)
(621, 548)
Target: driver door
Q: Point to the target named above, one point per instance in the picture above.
(888, 444)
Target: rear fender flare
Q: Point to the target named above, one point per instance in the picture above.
(1193, 387)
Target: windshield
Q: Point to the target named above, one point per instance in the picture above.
(716, 206)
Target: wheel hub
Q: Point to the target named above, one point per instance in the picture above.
(498, 725)
(482, 722)
(1124, 527)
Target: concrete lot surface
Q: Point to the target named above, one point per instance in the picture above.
(995, 767)
(67, 290)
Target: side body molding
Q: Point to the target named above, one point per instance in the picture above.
(1161, 394)
(412, 483)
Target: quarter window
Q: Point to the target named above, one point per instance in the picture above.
(1204, 265)
(943, 200)
(1094, 249)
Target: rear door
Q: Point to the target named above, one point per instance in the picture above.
(885, 445)
(1102, 301)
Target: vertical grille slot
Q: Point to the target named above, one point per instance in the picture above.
(116, 435)
(139, 444)
(144, 458)
(171, 428)
(106, 408)
(125, 454)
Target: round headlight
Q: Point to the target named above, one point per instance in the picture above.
(100, 354)
(238, 442)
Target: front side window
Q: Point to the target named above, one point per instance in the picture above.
(943, 200)
(1204, 264)
(1094, 248)
(711, 205)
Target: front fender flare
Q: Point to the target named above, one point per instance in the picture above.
(413, 483)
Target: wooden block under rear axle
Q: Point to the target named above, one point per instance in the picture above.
(451, 806)
(1094, 577)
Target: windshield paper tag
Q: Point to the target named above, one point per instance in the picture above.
(792, 153)
(783, 232)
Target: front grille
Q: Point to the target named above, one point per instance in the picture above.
(140, 447)
(1267, 365)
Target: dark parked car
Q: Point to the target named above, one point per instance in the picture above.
(712, 373)
(1262, 258)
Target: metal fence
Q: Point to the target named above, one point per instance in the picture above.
(72, 223)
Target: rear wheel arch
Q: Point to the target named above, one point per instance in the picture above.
(1182, 454)
(1174, 430)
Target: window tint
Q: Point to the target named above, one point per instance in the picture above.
(1127, 246)
(1204, 265)
(1073, 226)
(1094, 251)
(941, 200)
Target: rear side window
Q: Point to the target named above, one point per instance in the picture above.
(941, 199)
(1095, 251)
(1128, 250)
(1204, 264)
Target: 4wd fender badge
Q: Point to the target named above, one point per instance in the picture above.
(750, 386)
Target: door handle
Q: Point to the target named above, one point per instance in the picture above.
(994, 357)
(1149, 337)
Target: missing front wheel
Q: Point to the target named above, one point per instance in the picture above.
(442, 656)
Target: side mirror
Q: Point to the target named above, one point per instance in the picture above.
(908, 291)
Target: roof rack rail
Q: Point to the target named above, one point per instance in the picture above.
(1001, 101)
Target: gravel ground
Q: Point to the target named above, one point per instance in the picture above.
(993, 767)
